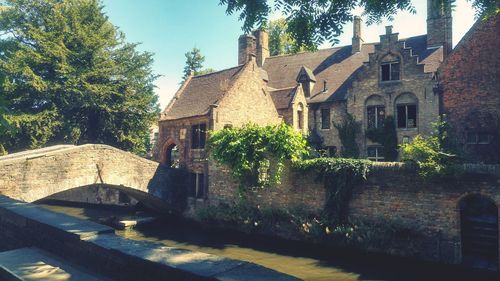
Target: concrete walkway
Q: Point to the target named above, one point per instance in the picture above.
(33, 264)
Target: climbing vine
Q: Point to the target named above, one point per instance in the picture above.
(256, 155)
(339, 176)
(348, 131)
(387, 137)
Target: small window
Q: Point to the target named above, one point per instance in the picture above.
(375, 153)
(300, 117)
(197, 186)
(198, 136)
(478, 138)
(325, 118)
(376, 116)
(407, 116)
(332, 151)
(390, 71)
(406, 139)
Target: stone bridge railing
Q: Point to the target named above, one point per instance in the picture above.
(33, 175)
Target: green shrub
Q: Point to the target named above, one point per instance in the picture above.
(348, 132)
(429, 153)
(256, 154)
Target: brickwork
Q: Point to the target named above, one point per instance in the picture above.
(471, 90)
(390, 192)
(246, 101)
(415, 86)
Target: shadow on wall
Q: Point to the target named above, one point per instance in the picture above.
(170, 185)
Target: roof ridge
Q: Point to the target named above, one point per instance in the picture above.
(281, 89)
(218, 71)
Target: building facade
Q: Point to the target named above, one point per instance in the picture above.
(311, 91)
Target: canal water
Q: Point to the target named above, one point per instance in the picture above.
(303, 261)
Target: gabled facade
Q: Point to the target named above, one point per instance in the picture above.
(210, 102)
(310, 91)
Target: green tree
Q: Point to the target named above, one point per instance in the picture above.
(194, 64)
(71, 76)
(280, 41)
(311, 23)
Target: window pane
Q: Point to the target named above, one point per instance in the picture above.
(325, 118)
(401, 112)
(201, 186)
(371, 112)
(195, 136)
(412, 116)
(192, 185)
(394, 71)
(385, 72)
(483, 138)
(332, 151)
(203, 134)
(372, 152)
(471, 138)
(380, 116)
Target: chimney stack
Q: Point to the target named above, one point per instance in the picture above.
(439, 25)
(246, 47)
(357, 41)
(262, 46)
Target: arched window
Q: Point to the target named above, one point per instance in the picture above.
(479, 231)
(406, 111)
(375, 111)
(172, 156)
(300, 117)
(390, 68)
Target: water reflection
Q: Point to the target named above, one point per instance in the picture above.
(308, 262)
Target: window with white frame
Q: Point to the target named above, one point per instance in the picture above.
(375, 153)
(406, 111)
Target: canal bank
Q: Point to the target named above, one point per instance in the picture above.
(301, 260)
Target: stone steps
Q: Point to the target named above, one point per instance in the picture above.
(33, 264)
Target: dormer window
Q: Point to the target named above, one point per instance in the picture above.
(390, 71)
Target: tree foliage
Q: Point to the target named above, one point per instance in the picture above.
(194, 64)
(430, 153)
(71, 76)
(250, 150)
(280, 41)
(312, 22)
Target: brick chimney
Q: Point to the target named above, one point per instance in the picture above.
(246, 47)
(262, 46)
(439, 25)
(357, 41)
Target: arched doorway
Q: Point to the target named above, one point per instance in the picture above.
(479, 230)
(172, 156)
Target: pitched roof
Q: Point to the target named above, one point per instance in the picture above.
(198, 93)
(282, 98)
(338, 66)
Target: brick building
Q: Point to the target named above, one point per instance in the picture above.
(310, 91)
(471, 92)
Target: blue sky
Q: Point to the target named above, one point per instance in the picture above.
(170, 28)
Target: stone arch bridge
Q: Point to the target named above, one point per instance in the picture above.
(36, 174)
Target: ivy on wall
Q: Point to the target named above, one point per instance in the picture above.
(387, 137)
(348, 130)
(339, 176)
(257, 155)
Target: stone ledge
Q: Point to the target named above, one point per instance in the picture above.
(98, 248)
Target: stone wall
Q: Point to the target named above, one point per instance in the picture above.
(97, 248)
(246, 101)
(471, 95)
(392, 192)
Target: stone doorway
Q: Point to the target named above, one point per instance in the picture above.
(172, 156)
(479, 230)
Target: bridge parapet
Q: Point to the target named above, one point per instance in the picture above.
(33, 175)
